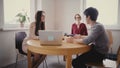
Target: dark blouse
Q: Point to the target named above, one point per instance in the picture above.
(82, 30)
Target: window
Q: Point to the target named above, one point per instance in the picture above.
(13, 7)
(108, 10)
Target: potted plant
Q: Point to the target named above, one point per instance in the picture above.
(22, 18)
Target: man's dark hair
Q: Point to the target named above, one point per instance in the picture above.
(92, 12)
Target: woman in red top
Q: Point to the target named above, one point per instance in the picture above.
(78, 27)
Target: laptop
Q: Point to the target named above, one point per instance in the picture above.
(50, 37)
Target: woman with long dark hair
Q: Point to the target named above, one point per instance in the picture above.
(39, 24)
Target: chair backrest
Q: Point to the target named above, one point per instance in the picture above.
(118, 57)
(109, 33)
(19, 37)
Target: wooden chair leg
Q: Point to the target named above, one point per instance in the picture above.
(64, 58)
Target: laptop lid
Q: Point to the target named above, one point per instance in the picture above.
(50, 37)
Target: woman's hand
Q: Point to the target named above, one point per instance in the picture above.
(69, 39)
(77, 36)
(77, 41)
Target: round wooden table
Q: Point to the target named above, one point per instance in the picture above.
(66, 49)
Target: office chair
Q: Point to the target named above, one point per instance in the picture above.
(19, 37)
(118, 57)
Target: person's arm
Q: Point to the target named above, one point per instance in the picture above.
(85, 30)
(83, 36)
(80, 36)
(32, 31)
(96, 31)
(78, 41)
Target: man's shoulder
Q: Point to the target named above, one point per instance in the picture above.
(99, 25)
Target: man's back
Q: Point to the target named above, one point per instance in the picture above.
(98, 37)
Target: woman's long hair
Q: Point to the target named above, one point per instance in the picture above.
(38, 23)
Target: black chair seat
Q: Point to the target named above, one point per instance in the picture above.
(98, 64)
(19, 37)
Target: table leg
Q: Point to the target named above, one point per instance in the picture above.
(64, 58)
(68, 61)
(29, 59)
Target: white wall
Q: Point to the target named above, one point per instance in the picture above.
(119, 12)
(32, 10)
(49, 7)
(116, 40)
(58, 12)
(7, 47)
(1, 13)
(65, 11)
